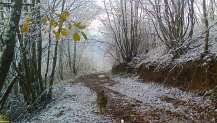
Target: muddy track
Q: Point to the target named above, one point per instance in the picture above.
(123, 107)
(119, 106)
(97, 98)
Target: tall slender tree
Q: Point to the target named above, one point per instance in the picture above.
(206, 27)
(10, 41)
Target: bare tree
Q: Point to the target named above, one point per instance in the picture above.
(124, 20)
(174, 22)
(8, 52)
(55, 57)
(206, 23)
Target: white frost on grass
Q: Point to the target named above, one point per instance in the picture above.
(71, 104)
(151, 94)
(156, 55)
(162, 57)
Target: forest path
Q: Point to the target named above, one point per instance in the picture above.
(134, 101)
(128, 99)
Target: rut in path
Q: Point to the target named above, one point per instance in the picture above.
(124, 98)
(139, 102)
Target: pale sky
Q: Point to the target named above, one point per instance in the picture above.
(96, 51)
(100, 3)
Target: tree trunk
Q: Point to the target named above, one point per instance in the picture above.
(75, 58)
(212, 9)
(69, 56)
(191, 10)
(39, 46)
(7, 92)
(61, 60)
(49, 95)
(206, 23)
(48, 56)
(53, 70)
(8, 53)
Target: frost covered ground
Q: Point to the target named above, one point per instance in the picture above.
(129, 99)
(151, 93)
(162, 57)
(188, 105)
(72, 103)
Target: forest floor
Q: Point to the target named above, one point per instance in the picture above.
(129, 100)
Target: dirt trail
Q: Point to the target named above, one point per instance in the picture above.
(123, 99)
(119, 106)
(138, 102)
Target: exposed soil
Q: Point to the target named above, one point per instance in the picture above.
(199, 75)
(119, 106)
(122, 100)
(134, 110)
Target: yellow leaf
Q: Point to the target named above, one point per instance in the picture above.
(26, 24)
(65, 15)
(4, 118)
(76, 37)
(64, 32)
(53, 23)
(57, 36)
(79, 25)
(25, 28)
(27, 19)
